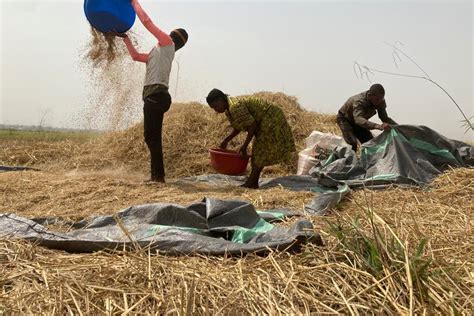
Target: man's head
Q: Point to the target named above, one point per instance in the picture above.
(376, 94)
(180, 37)
(217, 100)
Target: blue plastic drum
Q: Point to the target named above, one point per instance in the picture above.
(110, 15)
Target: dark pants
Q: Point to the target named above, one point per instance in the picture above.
(154, 110)
(352, 132)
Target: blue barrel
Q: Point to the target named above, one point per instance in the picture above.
(110, 15)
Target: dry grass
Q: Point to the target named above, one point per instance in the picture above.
(87, 177)
(45, 154)
(76, 195)
(331, 279)
(189, 131)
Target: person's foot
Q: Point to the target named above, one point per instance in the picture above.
(249, 185)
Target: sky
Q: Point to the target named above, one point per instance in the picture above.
(302, 48)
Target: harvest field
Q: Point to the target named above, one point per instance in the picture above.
(393, 251)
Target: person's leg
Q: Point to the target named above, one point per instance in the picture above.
(157, 150)
(252, 181)
(152, 132)
(155, 108)
(347, 133)
(363, 134)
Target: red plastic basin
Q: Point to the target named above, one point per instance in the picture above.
(228, 162)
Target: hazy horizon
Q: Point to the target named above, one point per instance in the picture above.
(304, 48)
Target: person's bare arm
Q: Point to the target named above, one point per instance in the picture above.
(133, 52)
(250, 134)
(163, 38)
(231, 136)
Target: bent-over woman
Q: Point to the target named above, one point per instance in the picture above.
(264, 122)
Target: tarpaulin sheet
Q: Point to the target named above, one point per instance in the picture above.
(13, 168)
(211, 227)
(409, 155)
(294, 182)
(325, 199)
(406, 155)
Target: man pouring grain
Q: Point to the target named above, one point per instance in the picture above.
(155, 92)
(353, 117)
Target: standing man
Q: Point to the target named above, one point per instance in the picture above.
(155, 92)
(353, 117)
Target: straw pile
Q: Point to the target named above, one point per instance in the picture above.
(76, 195)
(191, 129)
(330, 279)
(397, 251)
(45, 154)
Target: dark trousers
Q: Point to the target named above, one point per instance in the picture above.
(154, 110)
(352, 132)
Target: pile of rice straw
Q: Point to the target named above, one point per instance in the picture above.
(319, 280)
(189, 131)
(84, 176)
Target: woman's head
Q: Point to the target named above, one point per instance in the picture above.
(180, 38)
(217, 100)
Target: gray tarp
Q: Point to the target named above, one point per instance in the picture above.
(327, 198)
(294, 183)
(9, 168)
(410, 155)
(406, 155)
(211, 227)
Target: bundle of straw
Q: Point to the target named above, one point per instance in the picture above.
(398, 251)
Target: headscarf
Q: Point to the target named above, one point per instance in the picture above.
(180, 37)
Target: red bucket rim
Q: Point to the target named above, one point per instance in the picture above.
(227, 152)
